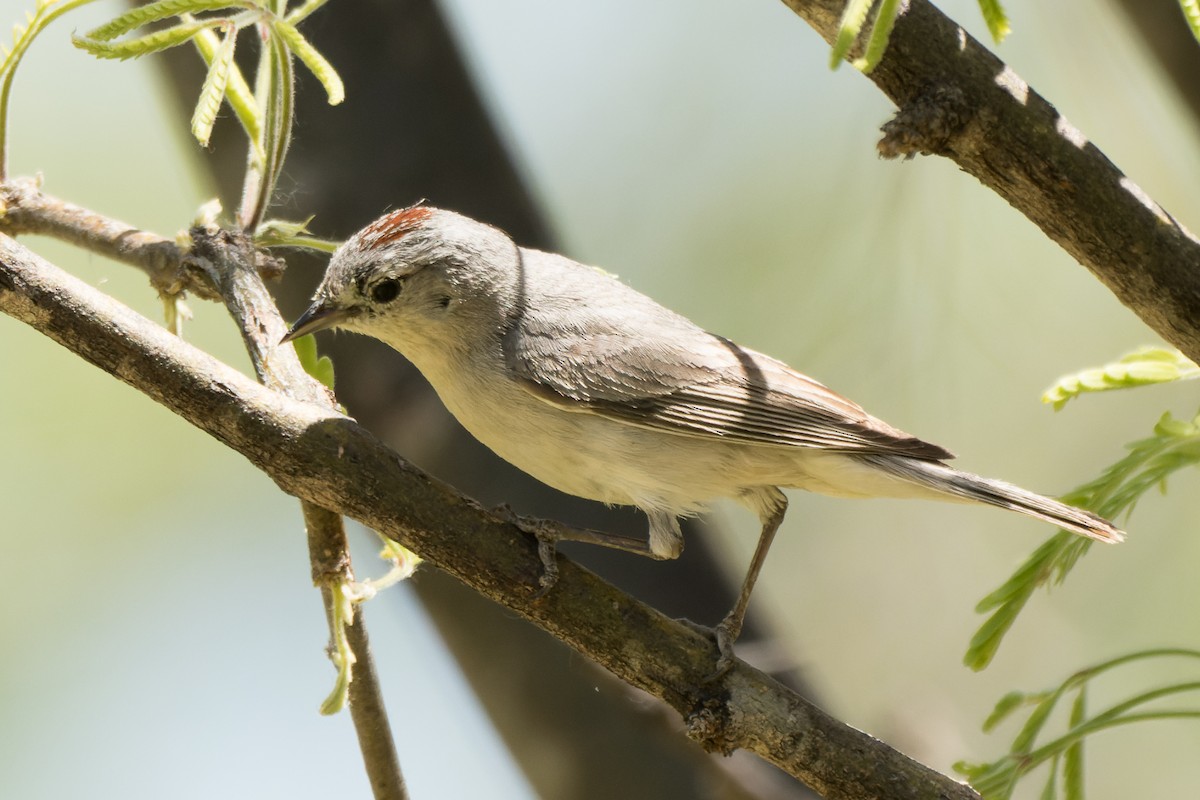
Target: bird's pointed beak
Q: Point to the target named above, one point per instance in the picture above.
(319, 316)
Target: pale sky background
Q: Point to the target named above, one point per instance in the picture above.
(160, 626)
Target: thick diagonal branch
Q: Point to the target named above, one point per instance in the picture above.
(957, 99)
(320, 456)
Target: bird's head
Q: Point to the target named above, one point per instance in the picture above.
(414, 276)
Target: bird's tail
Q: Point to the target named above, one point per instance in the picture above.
(963, 485)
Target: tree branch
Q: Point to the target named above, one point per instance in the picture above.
(956, 99)
(329, 553)
(25, 209)
(325, 458)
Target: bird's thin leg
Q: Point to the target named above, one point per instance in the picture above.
(728, 630)
(549, 533)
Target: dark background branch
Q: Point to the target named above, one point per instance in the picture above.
(1168, 41)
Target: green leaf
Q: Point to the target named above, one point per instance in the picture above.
(1073, 757)
(1005, 706)
(294, 17)
(968, 768)
(1175, 445)
(156, 11)
(404, 563)
(986, 641)
(237, 91)
(1050, 790)
(1140, 368)
(994, 781)
(144, 45)
(320, 367)
(1011, 597)
(46, 11)
(853, 18)
(1036, 569)
(340, 653)
(212, 93)
(881, 32)
(1176, 428)
(311, 58)
(1191, 12)
(1033, 726)
(281, 228)
(280, 107)
(281, 233)
(1065, 752)
(274, 92)
(996, 19)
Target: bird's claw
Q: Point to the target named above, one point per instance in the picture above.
(505, 512)
(547, 552)
(547, 546)
(724, 637)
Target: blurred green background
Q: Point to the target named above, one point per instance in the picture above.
(161, 633)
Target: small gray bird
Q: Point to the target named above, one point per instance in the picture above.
(599, 391)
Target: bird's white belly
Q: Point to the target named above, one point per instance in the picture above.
(591, 456)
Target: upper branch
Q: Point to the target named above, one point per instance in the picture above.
(325, 458)
(958, 100)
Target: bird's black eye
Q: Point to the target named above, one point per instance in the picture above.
(386, 290)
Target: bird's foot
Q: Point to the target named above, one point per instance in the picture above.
(546, 534)
(725, 633)
(548, 553)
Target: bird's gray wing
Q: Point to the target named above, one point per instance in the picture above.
(655, 369)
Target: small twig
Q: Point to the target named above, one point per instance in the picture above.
(24, 208)
(329, 553)
(230, 259)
